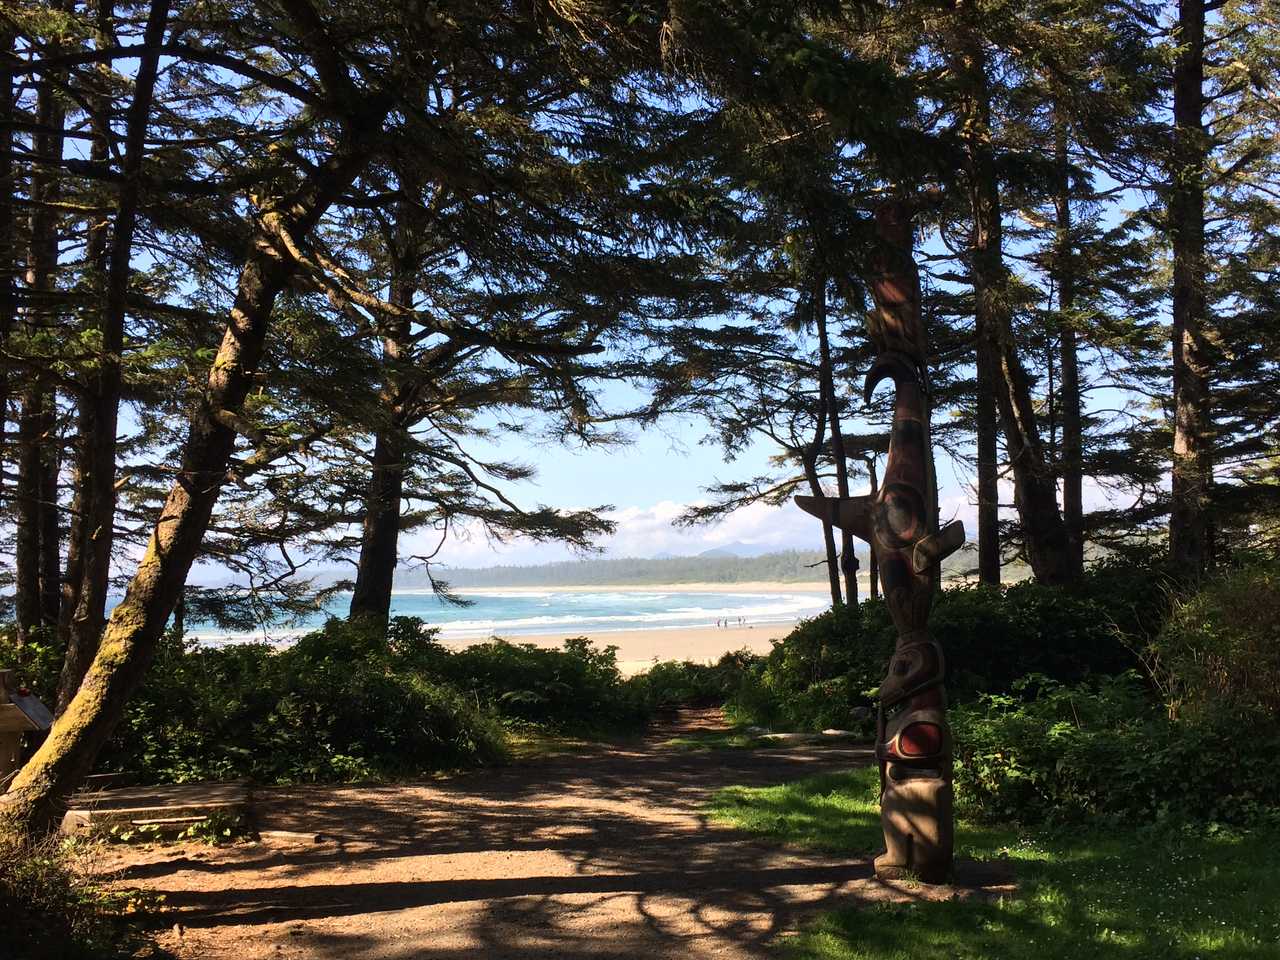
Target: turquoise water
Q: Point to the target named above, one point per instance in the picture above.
(518, 613)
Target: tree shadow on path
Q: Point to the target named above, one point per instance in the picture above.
(607, 854)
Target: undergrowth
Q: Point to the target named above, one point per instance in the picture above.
(54, 909)
(1168, 894)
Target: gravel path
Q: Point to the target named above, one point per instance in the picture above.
(600, 855)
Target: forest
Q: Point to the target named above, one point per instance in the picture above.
(278, 278)
(791, 566)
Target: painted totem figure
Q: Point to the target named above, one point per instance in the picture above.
(913, 740)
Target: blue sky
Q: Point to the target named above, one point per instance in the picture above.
(649, 483)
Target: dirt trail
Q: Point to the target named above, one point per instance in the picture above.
(602, 855)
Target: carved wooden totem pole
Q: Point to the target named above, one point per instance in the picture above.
(913, 740)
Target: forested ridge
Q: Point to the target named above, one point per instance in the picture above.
(295, 285)
(792, 566)
(787, 566)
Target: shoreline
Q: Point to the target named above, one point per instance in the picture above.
(638, 646)
(745, 586)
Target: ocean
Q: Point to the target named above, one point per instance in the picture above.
(515, 613)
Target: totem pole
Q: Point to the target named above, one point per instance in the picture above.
(913, 741)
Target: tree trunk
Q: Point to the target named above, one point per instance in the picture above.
(50, 532)
(99, 109)
(1035, 492)
(101, 403)
(379, 543)
(8, 241)
(828, 535)
(37, 550)
(809, 458)
(988, 481)
(1192, 429)
(826, 370)
(128, 643)
(27, 500)
(873, 565)
(371, 599)
(1071, 465)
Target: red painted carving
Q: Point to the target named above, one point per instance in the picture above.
(913, 738)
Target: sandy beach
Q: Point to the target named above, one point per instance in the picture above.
(638, 649)
(697, 638)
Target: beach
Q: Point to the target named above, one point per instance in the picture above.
(638, 650)
(746, 586)
(646, 622)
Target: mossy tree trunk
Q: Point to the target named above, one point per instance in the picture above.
(35, 796)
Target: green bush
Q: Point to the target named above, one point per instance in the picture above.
(820, 675)
(826, 671)
(1058, 753)
(346, 702)
(674, 683)
(579, 684)
(1221, 647)
(350, 701)
(36, 662)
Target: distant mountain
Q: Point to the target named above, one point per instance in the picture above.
(739, 549)
(718, 552)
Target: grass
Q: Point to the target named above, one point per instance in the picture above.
(714, 740)
(1117, 895)
(526, 740)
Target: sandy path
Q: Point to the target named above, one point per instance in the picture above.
(604, 855)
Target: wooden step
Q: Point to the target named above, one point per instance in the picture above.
(96, 811)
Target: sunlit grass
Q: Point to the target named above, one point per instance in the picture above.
(1097, 895)
(714, 740)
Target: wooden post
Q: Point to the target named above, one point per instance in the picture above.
(20, 713)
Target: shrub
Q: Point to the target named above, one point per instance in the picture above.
(1221, 647)
(1062, 753)
(684, 683)
(52, 911)
(345, 702)
(349, 701)
(37, 662)
(826, 671)
(579, 684)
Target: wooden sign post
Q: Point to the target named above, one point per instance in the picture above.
(20, 713)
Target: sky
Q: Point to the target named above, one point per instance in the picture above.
(652, 481)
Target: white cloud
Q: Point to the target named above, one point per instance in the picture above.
(643, 531)
(647, 531)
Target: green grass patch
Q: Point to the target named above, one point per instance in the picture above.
(1164, 896)
(530, 741)
(714, 740)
